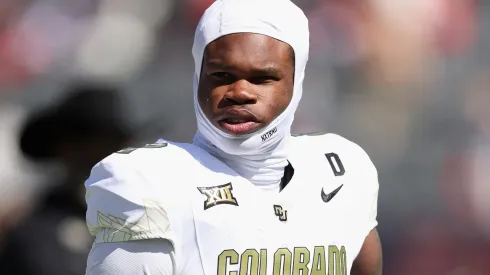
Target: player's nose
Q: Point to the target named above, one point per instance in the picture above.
(241, 93)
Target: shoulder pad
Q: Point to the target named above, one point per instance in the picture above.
(351, 154)
(325, 140)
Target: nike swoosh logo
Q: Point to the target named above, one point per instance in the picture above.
(329, 197)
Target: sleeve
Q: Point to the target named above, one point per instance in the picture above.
(129, 206)
(372, 192)
(123, 205)
(132, 258)
(369, 188)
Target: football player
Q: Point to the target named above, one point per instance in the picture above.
(246, 197)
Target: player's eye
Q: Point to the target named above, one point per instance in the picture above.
(221, 75)
(263, 79)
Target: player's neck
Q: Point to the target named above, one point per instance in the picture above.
(261, 169)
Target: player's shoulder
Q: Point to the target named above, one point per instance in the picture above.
(139, 167)
(155, 153)
(332, 145)
(148, 171)
(319, 142)
(131, 193)
(163, 161)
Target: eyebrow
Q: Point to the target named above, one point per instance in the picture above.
(268, 69)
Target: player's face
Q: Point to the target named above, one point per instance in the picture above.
(246, 81)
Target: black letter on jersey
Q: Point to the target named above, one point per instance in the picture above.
(281, 213)
(338, 169)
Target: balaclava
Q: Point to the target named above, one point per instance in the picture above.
(261, 156)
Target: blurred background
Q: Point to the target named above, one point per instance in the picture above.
(408, 80)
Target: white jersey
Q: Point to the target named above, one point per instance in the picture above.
(315, 225)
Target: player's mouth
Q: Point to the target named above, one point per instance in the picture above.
(238, 122)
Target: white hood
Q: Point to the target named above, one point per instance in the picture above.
(261, 161)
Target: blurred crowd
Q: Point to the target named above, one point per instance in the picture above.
(408, 80)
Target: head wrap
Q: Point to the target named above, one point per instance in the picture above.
(260, 160)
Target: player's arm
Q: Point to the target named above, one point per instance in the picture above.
(370, 259)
